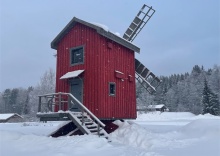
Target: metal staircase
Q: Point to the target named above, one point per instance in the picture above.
(57, 106)
(86, 125)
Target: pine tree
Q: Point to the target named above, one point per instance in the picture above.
(6, 98)
(196, 70)
(210, 101)
(206, 98)
(215, 109)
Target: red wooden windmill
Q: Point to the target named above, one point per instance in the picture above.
(96, 71)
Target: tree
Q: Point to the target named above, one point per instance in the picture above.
(206, 97)
(209, 100)
(47, 82)
(214, 80)
(1, 104)
(215, 108)
(26, 107)
(6, 98)
(13, 100)
(45, 86)
(196, 70)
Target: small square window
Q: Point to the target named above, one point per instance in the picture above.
(112, 88)
(76, 55)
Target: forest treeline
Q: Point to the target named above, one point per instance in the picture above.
(183, 92)
(24, 101)
(179, 92)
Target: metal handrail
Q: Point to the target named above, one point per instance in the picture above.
(84, 109)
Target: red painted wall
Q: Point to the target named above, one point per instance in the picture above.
(101, 58)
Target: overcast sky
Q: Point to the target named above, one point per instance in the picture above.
(181, 34)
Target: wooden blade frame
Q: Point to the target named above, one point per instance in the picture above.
(139, 22)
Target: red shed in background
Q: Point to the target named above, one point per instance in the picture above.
(98, 68)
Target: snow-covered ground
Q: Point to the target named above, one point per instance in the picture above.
(152, 134)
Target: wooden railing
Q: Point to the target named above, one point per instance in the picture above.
(63, 102)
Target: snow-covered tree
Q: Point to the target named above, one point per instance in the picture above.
(26, 104)
(25, 101)
(143, 98)
(206, 98)
(183, 92)
(214, 80)
(45, 86)
(209, 100)
(215, 105)
(47, 82)
(6, 95)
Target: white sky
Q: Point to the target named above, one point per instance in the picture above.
(181, 34)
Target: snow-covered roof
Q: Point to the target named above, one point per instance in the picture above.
(100, 28)
(7, 116)
(156, 106)
(72, 74)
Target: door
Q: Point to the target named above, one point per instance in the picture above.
(76, 89)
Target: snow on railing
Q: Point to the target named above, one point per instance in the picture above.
(55, 98)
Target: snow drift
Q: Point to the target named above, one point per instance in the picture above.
(198, 135)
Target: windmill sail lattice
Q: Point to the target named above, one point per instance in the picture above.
(144, 76)
(139, 22)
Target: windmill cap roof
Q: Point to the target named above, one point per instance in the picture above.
(100, 30)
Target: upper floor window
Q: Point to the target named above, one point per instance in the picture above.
(77, 55)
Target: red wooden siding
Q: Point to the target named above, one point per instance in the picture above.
(102, 57)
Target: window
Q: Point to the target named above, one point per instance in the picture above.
(112, 88)
(76, 55)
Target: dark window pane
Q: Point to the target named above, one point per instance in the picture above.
(112, 88)
(77, 55)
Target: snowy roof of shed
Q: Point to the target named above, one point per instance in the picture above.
(156, 106)
(9, 115)
(100, 30)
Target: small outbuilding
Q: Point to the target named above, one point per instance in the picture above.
(11, 117)
(160, 107)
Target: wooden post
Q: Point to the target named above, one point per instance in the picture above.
(59, 101)
(39, 104)
(53, 103)
(68, 103)
(47, 104)
(82, 116)
(98, 130)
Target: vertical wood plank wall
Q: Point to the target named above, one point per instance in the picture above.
(100, 63)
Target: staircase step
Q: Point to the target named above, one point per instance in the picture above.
(86, 120)
(80, 117)
(88, 123)
(91, 126)
(76, 113)
(96, 133)
(93, 130)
